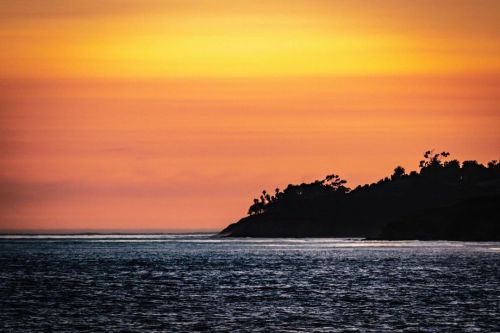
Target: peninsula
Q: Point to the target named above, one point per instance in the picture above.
(444, 200)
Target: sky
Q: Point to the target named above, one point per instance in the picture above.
(149, 115)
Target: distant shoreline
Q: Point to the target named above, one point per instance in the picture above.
(103, 233)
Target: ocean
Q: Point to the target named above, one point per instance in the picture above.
(200, 283)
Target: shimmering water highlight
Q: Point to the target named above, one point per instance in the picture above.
(165, 283)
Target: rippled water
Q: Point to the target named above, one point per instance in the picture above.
(198, 283)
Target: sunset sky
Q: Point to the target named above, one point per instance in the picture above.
(150, 115)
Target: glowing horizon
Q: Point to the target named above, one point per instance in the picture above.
(162, 115)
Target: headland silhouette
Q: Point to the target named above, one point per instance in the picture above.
(445, 200)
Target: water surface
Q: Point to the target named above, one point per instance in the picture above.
(195, 282)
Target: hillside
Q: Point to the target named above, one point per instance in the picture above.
(434, 203)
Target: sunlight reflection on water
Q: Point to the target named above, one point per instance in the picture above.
(201, 283)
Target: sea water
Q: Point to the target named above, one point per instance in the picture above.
(197, 282)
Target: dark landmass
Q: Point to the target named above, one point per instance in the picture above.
(445, 200)
(474, 219)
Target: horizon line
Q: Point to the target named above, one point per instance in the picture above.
(14, 232)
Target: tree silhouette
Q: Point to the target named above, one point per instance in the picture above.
(493, 164)
(398, 173)
(433, 160)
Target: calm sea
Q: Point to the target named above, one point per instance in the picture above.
(169, 283)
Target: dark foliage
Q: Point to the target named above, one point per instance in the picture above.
(444, 200)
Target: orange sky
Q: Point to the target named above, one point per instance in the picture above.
(174, 115)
